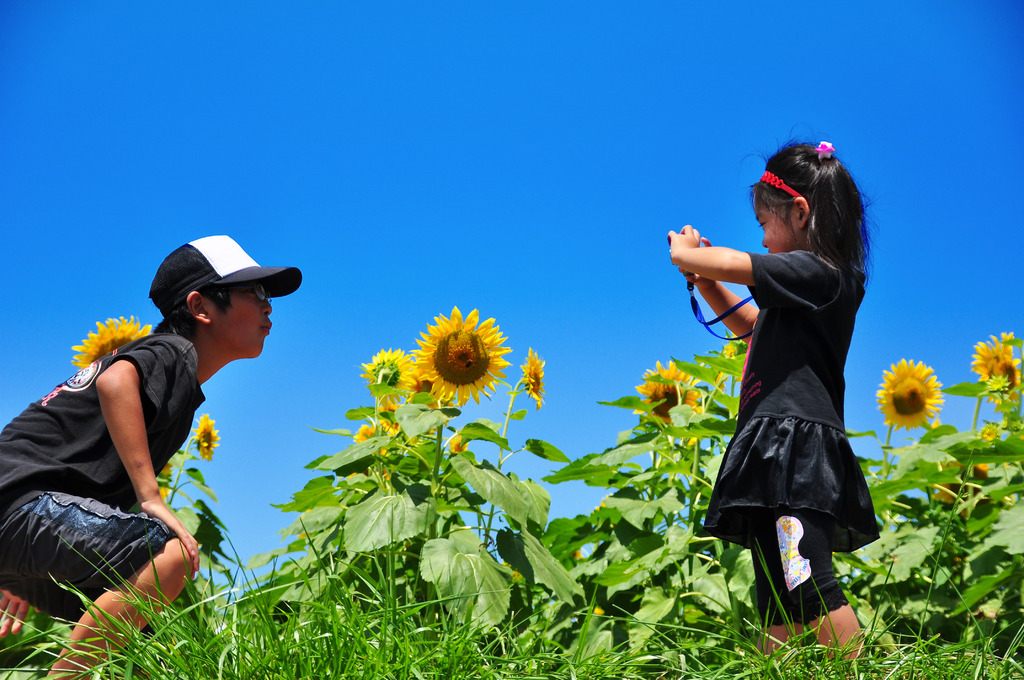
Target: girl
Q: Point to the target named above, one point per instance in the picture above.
(790, 487)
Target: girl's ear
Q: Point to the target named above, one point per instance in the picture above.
(198, 305)
(800, 213)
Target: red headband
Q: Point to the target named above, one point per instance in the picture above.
(779, 184)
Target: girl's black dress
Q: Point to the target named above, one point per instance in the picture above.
(790, 449)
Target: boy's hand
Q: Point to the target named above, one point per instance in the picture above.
(13, 611)
(159, 510)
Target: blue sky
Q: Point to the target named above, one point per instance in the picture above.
(525, 159)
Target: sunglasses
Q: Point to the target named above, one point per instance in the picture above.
(257, 289)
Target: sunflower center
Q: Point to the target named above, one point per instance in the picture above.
(671, 401)
(461, 358)
(909, 398)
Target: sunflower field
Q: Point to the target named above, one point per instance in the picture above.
(410, 554)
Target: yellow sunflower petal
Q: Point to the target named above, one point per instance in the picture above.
(108, 337)
(668, 394)
(460, 357)
(910, 395)
(206, 437)
(393, 368)
(533, 377)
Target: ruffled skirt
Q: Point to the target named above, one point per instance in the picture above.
(797, 464)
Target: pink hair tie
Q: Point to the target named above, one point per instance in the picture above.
(775, 181)
(825, 150)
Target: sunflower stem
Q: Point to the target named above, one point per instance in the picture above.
(177, 476)
(434, 481)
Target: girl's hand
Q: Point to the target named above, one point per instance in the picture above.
(688, 238)
(158, 509)
(697, 278)
(13, 611)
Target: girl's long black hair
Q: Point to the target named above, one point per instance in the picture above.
(837, 228)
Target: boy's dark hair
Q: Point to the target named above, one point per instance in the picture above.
(180, 321)
(836, 229)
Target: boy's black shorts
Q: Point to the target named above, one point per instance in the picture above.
(62, 539)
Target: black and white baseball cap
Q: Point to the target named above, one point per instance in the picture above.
(215, 261)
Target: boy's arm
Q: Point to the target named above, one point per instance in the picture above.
(121, 404)
(13, 611)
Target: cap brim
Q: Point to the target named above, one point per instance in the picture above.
(278, 281)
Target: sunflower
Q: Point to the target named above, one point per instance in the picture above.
(533, 377)
(668, 395)
(107, 338)
(368, 430)
(990, 432)
(994, 361)
(910, 395)
(365, 432)
(392, 367)
(206, 437)
(461, 357)
(456, 445)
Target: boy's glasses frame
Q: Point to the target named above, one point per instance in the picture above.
(256, 289)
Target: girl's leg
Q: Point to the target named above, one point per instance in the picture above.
(160, 581)
(805, 544)
(773, 602)
(840, 628)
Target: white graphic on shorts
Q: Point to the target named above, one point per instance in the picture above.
(796, 567)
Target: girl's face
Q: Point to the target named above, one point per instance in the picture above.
(779, 235)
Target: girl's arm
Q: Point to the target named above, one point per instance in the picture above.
(717, 264)
(720, 298)
(706, 267)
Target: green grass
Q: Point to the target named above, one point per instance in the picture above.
(245, 633)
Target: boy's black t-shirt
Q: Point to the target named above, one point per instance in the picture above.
(802, 336)
(61, 443)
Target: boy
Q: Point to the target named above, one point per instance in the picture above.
(74, 462)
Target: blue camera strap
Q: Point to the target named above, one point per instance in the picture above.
(707, 324)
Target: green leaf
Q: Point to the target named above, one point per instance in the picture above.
(975, 389)
(209, 533)
(708, 375)
(517, 415)
(538, 499)
(655, 606)
(732, 366)
(417, 419)
(318, 491)
(199, 482)
(632, 403)
(380, 390)
(356, 457)
(496, 488)
(1009, 530)
(381, 519)
(338, 431)
(314, 521)
(530, 558)
(627, 451)
(460, 568)
(361, 413)
(480, 431)
(545, 450)
(636, 511)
